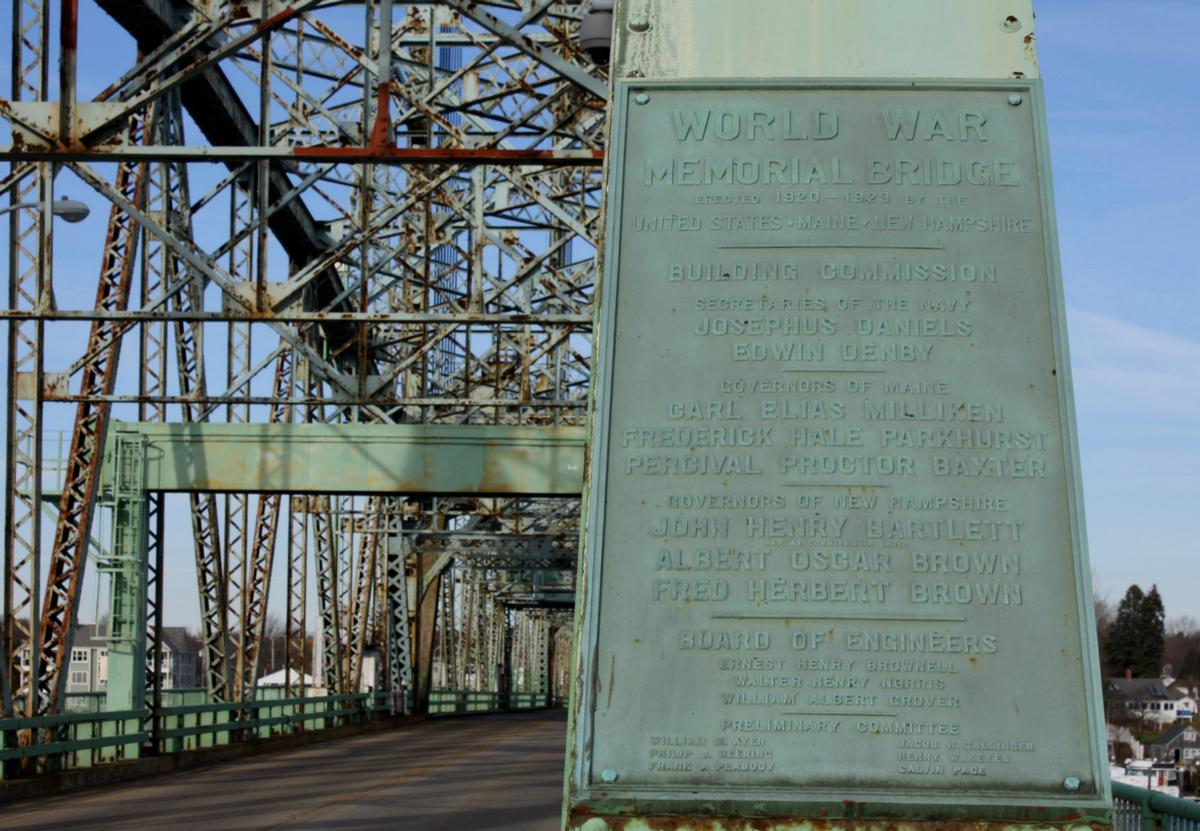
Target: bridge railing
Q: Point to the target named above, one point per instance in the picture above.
(195, 726)
(85, 739)
(1141, 809)
(72, 739)
(92, 736)
(455, 702)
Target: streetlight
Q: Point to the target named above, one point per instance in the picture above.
(71, 210)
(595, 30)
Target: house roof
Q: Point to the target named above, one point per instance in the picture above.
(91, 635)
(1173, 732)
(277, 679)
(1144, 689)
(176, 638)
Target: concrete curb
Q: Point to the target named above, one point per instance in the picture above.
(133, 769)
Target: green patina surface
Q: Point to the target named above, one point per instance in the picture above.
(359, 458)
(303, 458)
(835, 562)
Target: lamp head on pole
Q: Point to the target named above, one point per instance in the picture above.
(71, 210)
(596, 30)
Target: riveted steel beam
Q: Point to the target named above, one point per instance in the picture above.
(576, 73)
(362, 458)
(467, 156)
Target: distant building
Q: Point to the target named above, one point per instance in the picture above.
(1182, 739)
(279, 678)
(88, 669)
(1150, 699)
(179, 658)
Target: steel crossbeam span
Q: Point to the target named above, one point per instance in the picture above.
(359, 459)
(326, 223)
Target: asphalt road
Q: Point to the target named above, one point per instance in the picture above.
(484, 772)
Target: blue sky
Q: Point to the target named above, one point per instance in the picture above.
(1124, 118)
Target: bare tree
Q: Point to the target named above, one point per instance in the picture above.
(1182, 650)
(273, 625)
(271, 651)
(1106, 616)
(1183, 625)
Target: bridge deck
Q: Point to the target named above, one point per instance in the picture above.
(492, 772)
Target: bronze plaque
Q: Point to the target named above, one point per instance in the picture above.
(835, 548)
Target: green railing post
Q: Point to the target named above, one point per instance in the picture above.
(1151, 821)
(1154, 811)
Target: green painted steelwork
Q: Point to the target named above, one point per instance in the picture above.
(127, 566)
(76, 739)
(748, 622)
(410, 459)
(824, 39)
(142, 458)
(87, 739)
(73, 740)
(1141, 809)
(462, 702)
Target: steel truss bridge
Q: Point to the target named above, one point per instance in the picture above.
(344, 304)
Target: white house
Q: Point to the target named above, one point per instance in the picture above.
(88, 669)
(1151, 699)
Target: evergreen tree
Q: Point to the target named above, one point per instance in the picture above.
(1153, 633)
(1135, 642)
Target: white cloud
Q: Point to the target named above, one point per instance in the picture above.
(1130, 371)
(1137, 392)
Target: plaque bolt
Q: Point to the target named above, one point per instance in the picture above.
(595, 824)
(1015, 100)
(642, 98)
(639, 23)
(608, 775)
(1071, 783)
